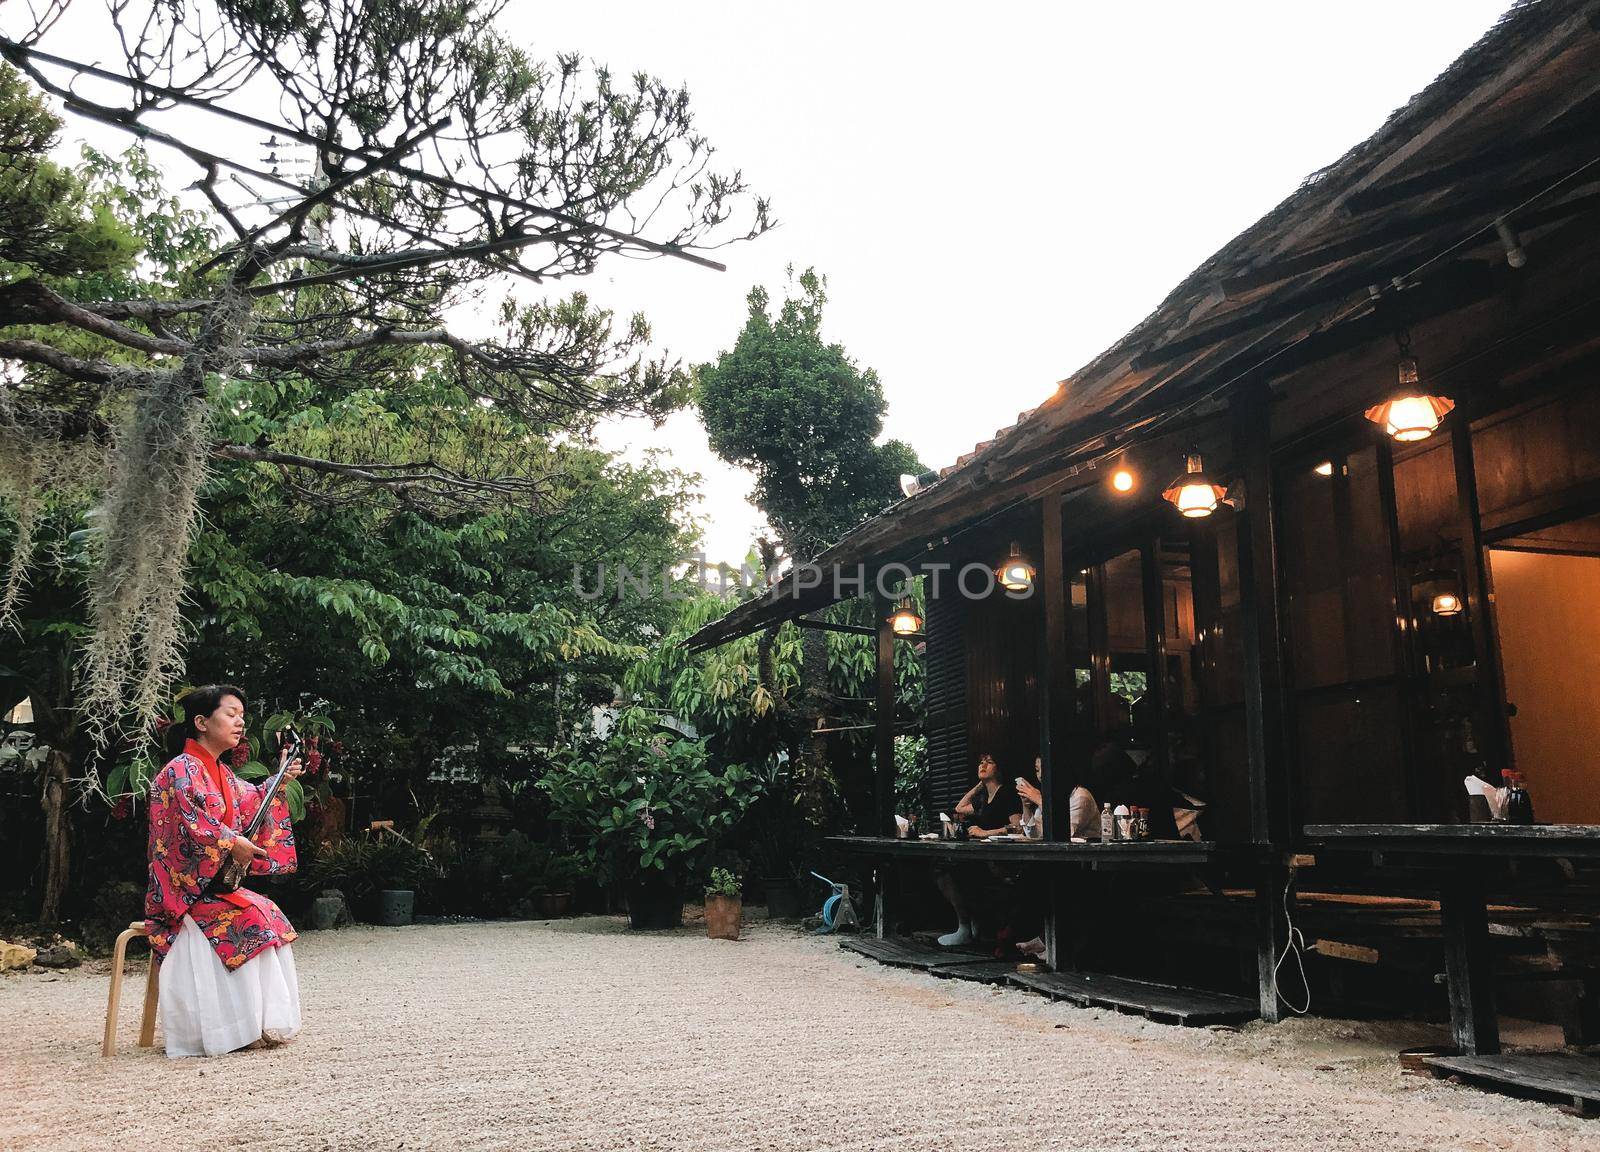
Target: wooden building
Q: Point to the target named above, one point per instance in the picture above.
(1382, 602)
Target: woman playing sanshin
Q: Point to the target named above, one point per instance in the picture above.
(227, 977)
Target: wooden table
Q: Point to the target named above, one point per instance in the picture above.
(1157, 1001)
(1057, 855)
(1457, 854)
(1117, 854)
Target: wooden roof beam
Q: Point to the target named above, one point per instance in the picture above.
(1485, 207)
(1574, 28)
(1583, 133)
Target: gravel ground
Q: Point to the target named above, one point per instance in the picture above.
(579, 1035)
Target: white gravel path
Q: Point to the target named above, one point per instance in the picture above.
(579, 1035)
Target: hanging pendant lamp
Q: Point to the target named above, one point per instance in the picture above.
(1194, 493)
(1016, 574)
(905, 621)
(1410, 413)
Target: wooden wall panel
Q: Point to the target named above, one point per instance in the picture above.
(1425, 499)
(1526, 458)
(945, 702)
(1003, 655)
(1350, 766)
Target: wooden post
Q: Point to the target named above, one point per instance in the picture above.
(883, 737)
(1422, 796)
(885, 877)
(1055, 704)
(1099, 650)
(1464, 912)
(1270, 826)
(1490, 729)
(1055, 699)
(1155, 643)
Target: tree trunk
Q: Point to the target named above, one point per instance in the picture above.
(57, 833)
(55, 727)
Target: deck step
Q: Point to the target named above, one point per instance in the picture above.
(1161, 1002)
(981, 971)
(1570, 1077)
(906, 952)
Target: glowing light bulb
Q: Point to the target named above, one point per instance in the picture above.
(1196, 500)
(1194, 494)
(904, 622)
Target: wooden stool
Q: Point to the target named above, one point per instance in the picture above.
(152, 984)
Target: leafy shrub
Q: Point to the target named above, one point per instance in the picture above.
(642, 805)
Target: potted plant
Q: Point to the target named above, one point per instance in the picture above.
(646, 809)
(724, 905)
(561, 876)
(379, 876)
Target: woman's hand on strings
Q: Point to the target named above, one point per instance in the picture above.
(296, 767)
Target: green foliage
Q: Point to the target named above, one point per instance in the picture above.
(805, 419)
(910, 770)
(53, 221)
(723, 883)
(717, 691)
(639, 804)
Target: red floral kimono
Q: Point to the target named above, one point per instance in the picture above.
(197, 807)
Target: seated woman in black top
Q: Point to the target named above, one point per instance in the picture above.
(987, 810)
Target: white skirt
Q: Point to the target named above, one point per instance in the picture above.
(207, 1010)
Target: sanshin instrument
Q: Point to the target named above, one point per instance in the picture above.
(232, 874)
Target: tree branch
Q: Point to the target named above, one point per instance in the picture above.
(31, 301)
(73, 367)
(432, 478)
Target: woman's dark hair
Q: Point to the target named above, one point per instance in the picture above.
(195, 703)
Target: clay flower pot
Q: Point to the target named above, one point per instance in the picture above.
(723, 914)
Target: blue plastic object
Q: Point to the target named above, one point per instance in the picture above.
(837, 910)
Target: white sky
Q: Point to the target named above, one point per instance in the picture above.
(995, 194)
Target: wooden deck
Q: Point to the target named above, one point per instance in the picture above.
(1164, 1003)
(982, 972)
(1568, 1077)
(904, 952)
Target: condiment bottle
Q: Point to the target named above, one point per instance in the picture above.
(1108, 824)
(1519, 805)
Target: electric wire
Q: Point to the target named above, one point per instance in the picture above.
(1294, 944)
